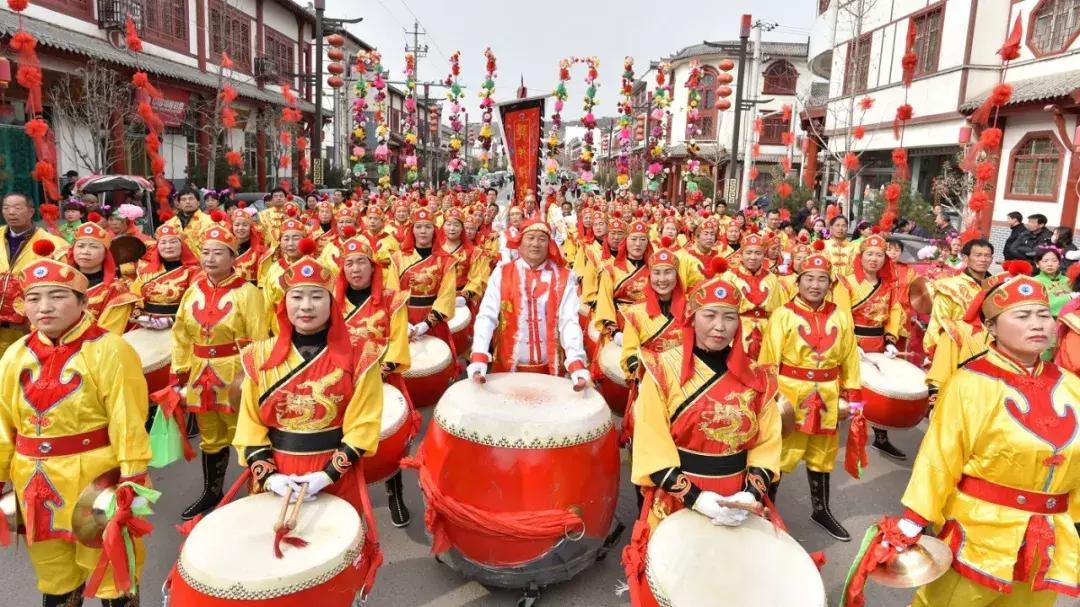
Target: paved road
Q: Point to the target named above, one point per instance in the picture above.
(410, 577)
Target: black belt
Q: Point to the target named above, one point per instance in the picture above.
(418, 302)
(869, 331)
(701, 464)
(305, 442)
(161, 309)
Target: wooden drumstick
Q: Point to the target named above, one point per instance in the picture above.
(755, 508)
(296, 510)
(284, 509)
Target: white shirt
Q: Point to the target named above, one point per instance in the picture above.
(525, 351)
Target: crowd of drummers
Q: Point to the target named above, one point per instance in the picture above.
(299, 341)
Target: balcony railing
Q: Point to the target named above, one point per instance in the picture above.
(113, 14)
(266, 69)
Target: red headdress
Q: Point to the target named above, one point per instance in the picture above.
(153, 256)
(94, 232)
(360, 246)
(665, 256)
(717, 293)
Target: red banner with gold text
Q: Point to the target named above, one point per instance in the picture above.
(522, 122)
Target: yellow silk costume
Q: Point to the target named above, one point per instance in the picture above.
(587, 265)
(382, 331)
(111, 305)
(619, 287)
(198, 223)
(762, 294)
(432, 282)
(642, 329)
(952, 296)
(818, 341)
(216, 320)
(842, 255)
(12, 320)
(160, 290)
(997, 422)
(47, 390)
(270, 220)
(873, 304)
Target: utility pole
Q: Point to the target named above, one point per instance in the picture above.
(419, 51)
(744, 185)
(744, 37)
(317, 77)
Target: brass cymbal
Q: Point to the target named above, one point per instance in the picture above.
(127, 249)
(787, 415)
(88, 520)
(921, 564)
(921, 295)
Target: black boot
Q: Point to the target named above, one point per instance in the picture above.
(150, 418)
(819, 498)
(399, 513)
(68, 599)
(214, 466)
(192, 426)
(126, 601)
(774, 488)
(881, 443)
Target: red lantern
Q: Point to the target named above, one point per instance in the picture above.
(727, 65)
(335, 54)
(722, 104)
(723, 91)
(335, 82)
(724, 78)
(965, 135)
(5, 72)
(335, 68)
(336, 40)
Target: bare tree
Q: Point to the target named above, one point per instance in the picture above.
(91, 103)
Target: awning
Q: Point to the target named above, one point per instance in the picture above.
(1042, 88)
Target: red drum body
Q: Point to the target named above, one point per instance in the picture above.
(522, 443)
(430, 372)
(612, 383)
(461, 330)
(153, 348)
(894, 392)
(395, 436)
(228, 560)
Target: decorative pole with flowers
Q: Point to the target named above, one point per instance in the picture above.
(586, 177)
(409, 149)
(380, 117)
(626, 116)
(454, 94)
(358, 154)
(693, 129)
(659, 115)
(552, 145)
(487, 106)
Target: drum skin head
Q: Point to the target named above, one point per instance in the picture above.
(153, 347)
(692, 563)
(394, 411)
(430, 355)
(460, 320)
(229, 554)
(523, 411)
(892, 377)
(609, 363)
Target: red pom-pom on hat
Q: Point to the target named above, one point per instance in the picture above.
(217, 216)
(44, 247)
(94, 217)
(803, 238)
(349, 231)
(307, 246)
(819, 245)
(241, 205)
(718, 266)
(1017, 267)
(666, 241)
(639, 213)
(166, 215)
(290, 211)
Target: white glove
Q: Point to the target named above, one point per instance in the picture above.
(891, 351)
(418, 330)
(143, 321)
(459, 302)
(862, 353)
(909, 528)
(581, 376)
(316, 482)
(1072, 255)
(617, 338)
(160, 323)
(733, 517)
(281, 484)
(476, 370)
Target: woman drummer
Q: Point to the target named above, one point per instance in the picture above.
(250, 250)
(162, 278)
(998, 471)
(706, 425)
(378, 325)
(108, 298)
(311, 404)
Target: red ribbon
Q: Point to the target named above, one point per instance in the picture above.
(877, 553)
(169, 400)
(113, 548)
(633, 555)
(855, 456)
(5, 532)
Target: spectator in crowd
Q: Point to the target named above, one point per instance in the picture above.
(1016, 230)
(942, 225)
(1037, 235)
(1063, 239)
(800, 217)
(1058, 286)
(69, 183)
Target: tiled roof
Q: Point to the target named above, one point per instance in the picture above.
(1034, 89)
(775, 49)
(57, 37)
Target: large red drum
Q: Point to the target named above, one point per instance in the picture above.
(522, 476)
(395, 436)
(894, 392)
(461, 330)
(154, 350)
(228, 559)
(430, 370)
(612, 383)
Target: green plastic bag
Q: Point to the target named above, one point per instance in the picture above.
(165, 441)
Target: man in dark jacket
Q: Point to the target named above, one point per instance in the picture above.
(1016, 227)
(1037, 235)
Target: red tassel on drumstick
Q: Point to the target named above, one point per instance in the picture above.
(283, 526)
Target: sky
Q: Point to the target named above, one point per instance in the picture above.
(529, 38)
